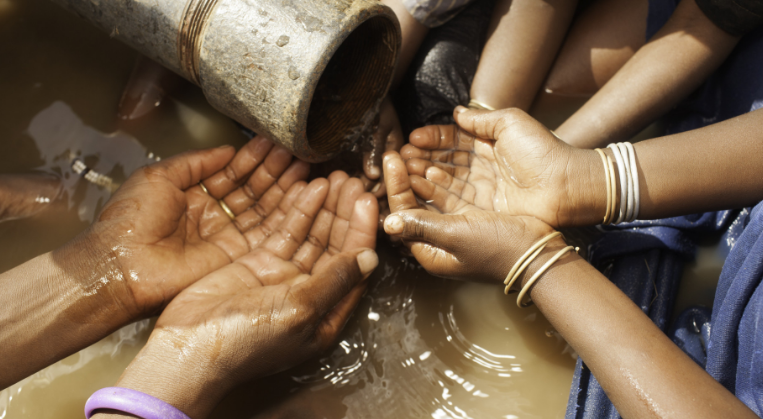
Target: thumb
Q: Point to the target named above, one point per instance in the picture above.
(191, 167)
(423, 226)
(492, 125)
(333, 280)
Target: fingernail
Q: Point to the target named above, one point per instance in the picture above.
(376, 188)
(374, 172)
(367, 261)
(394, 224)
(460, 109)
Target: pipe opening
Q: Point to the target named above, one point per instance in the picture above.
(355, 77)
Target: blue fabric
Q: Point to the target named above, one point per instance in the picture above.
(735, 346)
(645, 258)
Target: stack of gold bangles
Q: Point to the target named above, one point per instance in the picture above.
(222, 203)
(521, 265)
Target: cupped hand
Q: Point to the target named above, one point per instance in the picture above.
(508, 162)
(161, 232)
(474, 244)
(285, 300)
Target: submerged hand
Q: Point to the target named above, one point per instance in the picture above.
(503, 161)
(160, 232)
(282, 302)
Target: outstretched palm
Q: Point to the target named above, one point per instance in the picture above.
(297, 286)
(496, 161)
(161, 232)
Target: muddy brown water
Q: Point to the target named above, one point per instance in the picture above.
(417, 347)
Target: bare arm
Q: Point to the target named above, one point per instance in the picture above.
(49, 296)
(665, 70)
(641, 370)
(413, 35)
(523, 40)
(643, 373)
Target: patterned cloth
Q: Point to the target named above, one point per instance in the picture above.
(432, 13)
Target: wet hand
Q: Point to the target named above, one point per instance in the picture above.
(285, 300)
(161, 232)
(387, 137)
(504, 161)
(474, 244)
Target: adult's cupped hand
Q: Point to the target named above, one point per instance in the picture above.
(160, 232)
(281, 302)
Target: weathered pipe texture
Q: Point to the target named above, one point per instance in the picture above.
(308, 74)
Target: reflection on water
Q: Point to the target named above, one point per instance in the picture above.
(417, 347)
(72, 150)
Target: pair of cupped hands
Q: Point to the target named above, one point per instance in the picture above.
(246, 297)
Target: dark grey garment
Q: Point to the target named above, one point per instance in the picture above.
(441, 74)
(736, 17)
(432, 13)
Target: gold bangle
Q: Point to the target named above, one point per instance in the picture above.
(227, 209)
(609, 188)
(204, 188)
(476, 104)
(526, 259)
(538, 274)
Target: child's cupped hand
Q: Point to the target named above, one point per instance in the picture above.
(451, 237)
(504, 161)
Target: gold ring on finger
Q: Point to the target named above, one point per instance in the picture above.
(227, 209)
(204, 188)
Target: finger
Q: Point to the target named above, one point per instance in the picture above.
(419, 167)
(334, 321)
(189, 168)
(437, 196)
(299, 219)
(450, 183)
(426, 226)
(266, 175)
(362, 227)
(330, 283)
(336, 181)
(351, 191)
(267, 227)
(317, 240)
(399, 192)
(493, 125)
(442, 137)
(372, 158)
(270, 200)
(236, 172)
(437, 261)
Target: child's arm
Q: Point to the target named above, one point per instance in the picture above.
(523, 40)
(534, 173)
(413, 33)
(642, 371)
(665, 70)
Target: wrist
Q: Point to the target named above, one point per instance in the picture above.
(93, 269)
(177, 372)
(586, 190)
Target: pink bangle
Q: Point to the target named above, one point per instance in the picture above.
(133, 402)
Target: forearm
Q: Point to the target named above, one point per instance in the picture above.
(712, 168)
(413, 33)
(174, 373)
(640, 369)
(664, 71)
(523, 40)
(53, 306)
